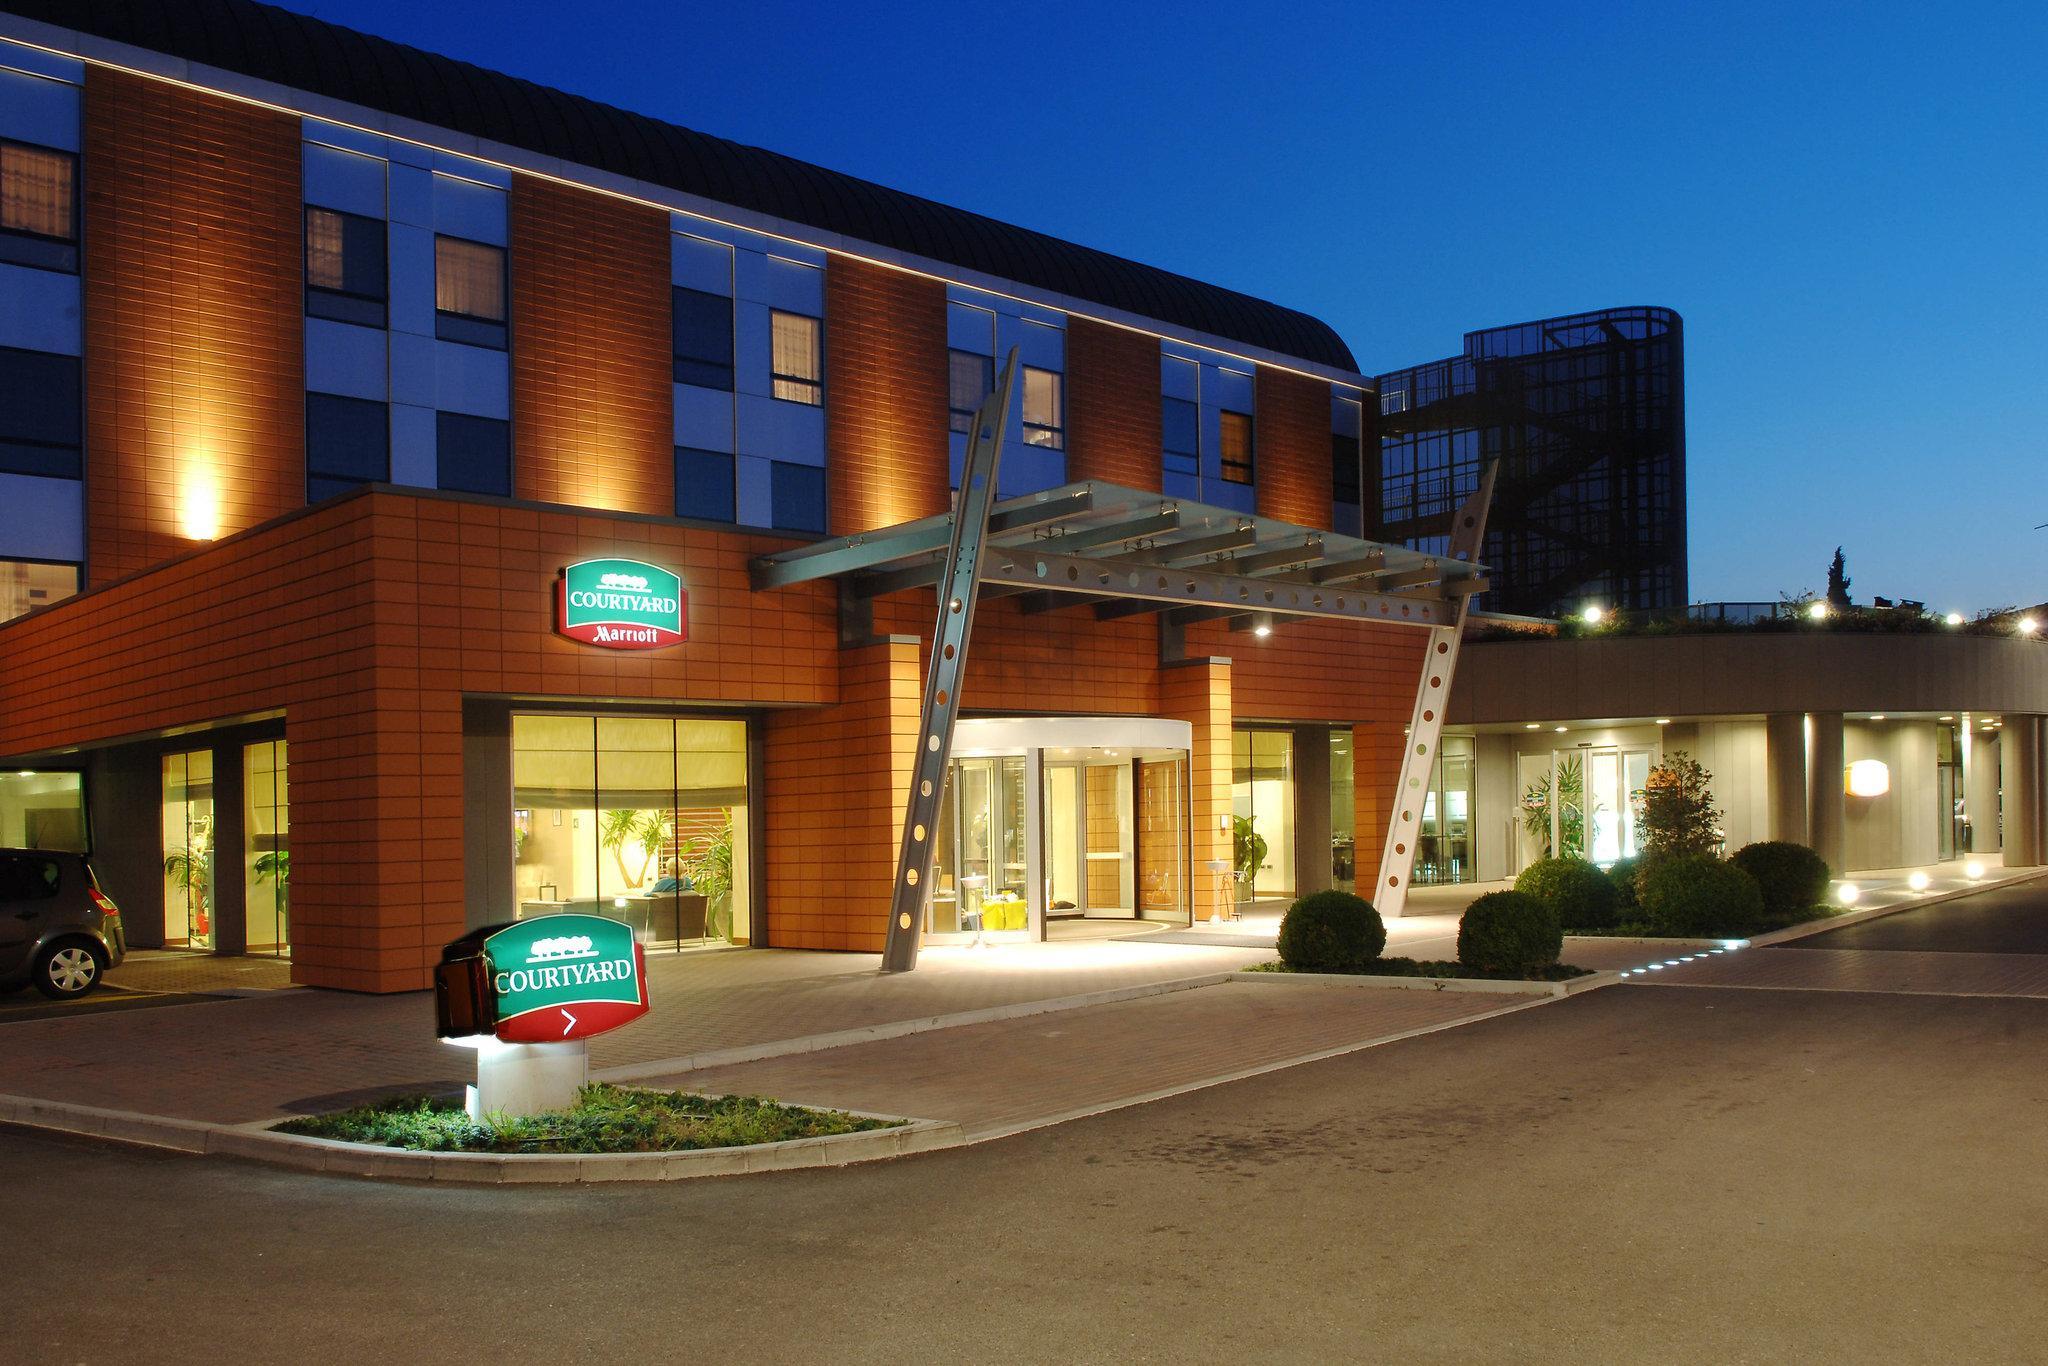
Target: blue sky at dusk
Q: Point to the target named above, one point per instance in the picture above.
(1849, 204)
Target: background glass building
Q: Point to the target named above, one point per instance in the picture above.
(1586, 414)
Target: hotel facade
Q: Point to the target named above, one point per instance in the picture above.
(336, 378)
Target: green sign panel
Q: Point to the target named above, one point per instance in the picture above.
(621, 605)
(560, 977)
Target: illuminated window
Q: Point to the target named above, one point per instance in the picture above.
(345, 272)
(1236, 447)
(796, 368)
(973, 377)
(469, 292)
(702, 323)
(1045, 422)
(41, 431)
(28, 584)
(38, 207)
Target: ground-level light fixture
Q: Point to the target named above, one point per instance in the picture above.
(1817, 610)
(1974, 869)
(1867, 778)
(1847, 893)
(1593, 614)
(2026, 626)
(1953, 619)
(1919, 881)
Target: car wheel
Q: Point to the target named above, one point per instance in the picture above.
(67, 971)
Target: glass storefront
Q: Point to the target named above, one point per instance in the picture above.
(1262, 792)
(1443, 846)
(1343, 813)
(1581, 803)
(266, 847)
(42, 810)
(188, 851)
(1951, 818)
(640, 818)
(979, 876)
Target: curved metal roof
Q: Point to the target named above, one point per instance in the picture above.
(309, 54)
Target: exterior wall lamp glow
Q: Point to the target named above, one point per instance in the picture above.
(2027, 626)
(1817, 610)
(1867, 778)
(1953, 619)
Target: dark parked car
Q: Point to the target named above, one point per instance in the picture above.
(58, 930)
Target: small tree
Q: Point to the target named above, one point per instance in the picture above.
(1679, 815)
(1838, 580)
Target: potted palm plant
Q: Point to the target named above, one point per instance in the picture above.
(710, 870)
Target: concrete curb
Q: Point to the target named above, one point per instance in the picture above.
(1479, 985)
(1912, 903)
(257, 1142)
(896, 1029)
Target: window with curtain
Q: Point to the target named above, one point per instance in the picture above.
(345, 270)
(1235, 446)
(38, 207)
(797, 369)
(1045, 422)
(972, 377)
(469, 292)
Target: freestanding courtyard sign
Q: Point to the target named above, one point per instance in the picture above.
(561, 977)
(621, 605)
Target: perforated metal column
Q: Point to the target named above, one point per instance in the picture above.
(1426, 723)
(942, 680)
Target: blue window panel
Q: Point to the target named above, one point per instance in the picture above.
(473, 454)
(348, 441)
(465, 209)
(705, 485)
(469, 379)
(798, 493)
(347, 181)
(38, 110)
(41, 518)
(1181, 486)
(703, 418)
(783, 284)
(39, 310)
(695, 263)
(41, 417)
(412, 279)
(782, 431)
(1181, 379)
(413, 438)
(412, 370)
(701, 338)
(1041, 346)
(344, 359)
(412, 200)
(970, 329)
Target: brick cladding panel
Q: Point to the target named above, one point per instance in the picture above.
(1113, 424)
(593, 407)
(194, 326)
(885, 396)
(1292, 447)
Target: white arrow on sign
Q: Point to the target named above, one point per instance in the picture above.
(570, 1020)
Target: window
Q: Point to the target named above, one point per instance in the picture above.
(41, 431)
(348, 442)
(797, 370)
(1180, 427)
(26, 878)
(702, 324)
(28, 584)
(1236, 447)
(43, 809)
(469, 292)
(1045, 422)
(38, 207)
(473, 454)
(345, 270)
(973, 379)
(704, 484)
(797, 497)
(1344, 468)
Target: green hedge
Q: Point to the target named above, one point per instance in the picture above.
(1791, 876)
(1331, 932)
(1697, 896)
(1509, 932)
(1582, 895)
(1625, 874)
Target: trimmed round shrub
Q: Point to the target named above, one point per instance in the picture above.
(1791, 876)
(1331, 932)
(1578, 891)
(1626, 875)
(1697, 896)
(1509, 932)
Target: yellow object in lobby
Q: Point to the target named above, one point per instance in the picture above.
(1003, 915)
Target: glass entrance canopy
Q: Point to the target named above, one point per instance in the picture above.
(1131, 551)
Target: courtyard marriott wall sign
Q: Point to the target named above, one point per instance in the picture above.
(621, 605)
(561, 977)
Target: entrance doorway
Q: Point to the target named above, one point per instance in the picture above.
(1062, 828)
(1581, 803)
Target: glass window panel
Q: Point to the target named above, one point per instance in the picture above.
(1263, 803)
(473, 454)
(1236, 447)
(1044, 408)
(1343, 836)
(972, 378)
(638, 872)
(704, 484)
(797, 370)
(38, 191)
(469, 279)
(188, 852)
(42, 810)
(797, 497)
(41, 426)
(1180, 430)
(348, 441)
(266, 853)
(703, 338)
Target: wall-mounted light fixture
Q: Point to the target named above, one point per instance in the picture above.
(1867, 778)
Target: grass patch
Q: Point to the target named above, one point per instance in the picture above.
(1433, 967)
(605, 1119)
(1783, 920)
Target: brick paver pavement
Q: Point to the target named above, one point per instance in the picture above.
(1912, 972)
(171, 970)
(1035, 1070)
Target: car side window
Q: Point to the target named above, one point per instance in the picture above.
(28, 879)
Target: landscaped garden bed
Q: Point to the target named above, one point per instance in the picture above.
(605, 1119)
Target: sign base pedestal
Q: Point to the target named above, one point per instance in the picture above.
(526, 1079)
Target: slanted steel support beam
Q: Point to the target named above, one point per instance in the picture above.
(912, 889)
(1389, 893)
